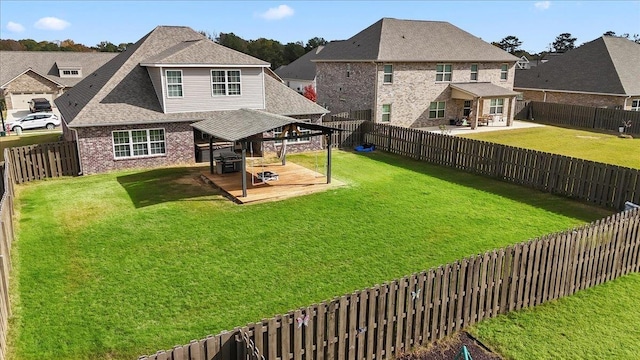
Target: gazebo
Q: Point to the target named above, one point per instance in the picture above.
(247, 125)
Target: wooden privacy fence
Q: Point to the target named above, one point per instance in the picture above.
(384, 320)
(584, 116)
(352, 115)
(597, 183)
(351, 135)
(6, 239)
(36, 162)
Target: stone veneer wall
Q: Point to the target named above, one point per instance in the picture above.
(414, 87)
(577, 99)
(27, 83)
(96, 148)
(269, 148)
(338, 92)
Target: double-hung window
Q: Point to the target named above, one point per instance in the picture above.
(436, 109)
(174, 83)
(474, 72)
(134, 143)
(388, 74)
(635, 105)
(386, 113)
(504, 71)
(225, 82)
(443, 72)
(496, 106)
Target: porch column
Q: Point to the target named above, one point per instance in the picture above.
(512, 110)
(244, 169)
(474, 123)
(211, 154)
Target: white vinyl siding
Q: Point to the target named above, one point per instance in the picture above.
(198, 92)
(436, 109)
(174, 83)
(137, 143)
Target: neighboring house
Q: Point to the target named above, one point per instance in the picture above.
(604, 72)
(301, 72)
(25, 75)
(523, 63)
(137, 110)
(415, 74)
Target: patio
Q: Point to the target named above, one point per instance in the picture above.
(493, 126)
(293, 180)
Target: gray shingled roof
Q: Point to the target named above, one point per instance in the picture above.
(121, 92)
(303, 68)
(608, 65)
(202, 51)
(14, 63)
(239, 124)
(484, 90)
(395, 40)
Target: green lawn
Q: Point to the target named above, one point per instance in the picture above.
(580, 144)
(27, 138)
(117, 265)
(597, 323)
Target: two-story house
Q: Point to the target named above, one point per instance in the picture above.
(140, 109)
(301, 72)
(416, 73)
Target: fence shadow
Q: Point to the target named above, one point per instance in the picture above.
(158, 186)
(578, 209)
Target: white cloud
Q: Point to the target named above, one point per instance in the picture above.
(542, 5)
(277, 13)
(14, 27)
(51, 23)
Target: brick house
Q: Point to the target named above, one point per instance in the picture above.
(416, 73)
(25, 75)
(137, 110)
(301, 72)
(604, 72)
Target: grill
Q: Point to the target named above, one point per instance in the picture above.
(227, 162)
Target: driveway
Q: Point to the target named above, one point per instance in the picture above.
(20, 113)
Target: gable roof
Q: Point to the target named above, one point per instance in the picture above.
(240, 124)
(303, 68)
(395, 40)
(483, 90)
(121, 92)
(202, 52)
(606, 65)
(47, 64)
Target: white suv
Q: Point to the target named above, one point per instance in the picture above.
(34, 121)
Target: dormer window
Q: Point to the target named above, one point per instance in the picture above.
(70, 73)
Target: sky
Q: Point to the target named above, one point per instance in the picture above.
(535, 23)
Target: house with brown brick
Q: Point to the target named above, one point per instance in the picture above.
(145, 107)
(604, 72)
(416, 73)
(25, 75)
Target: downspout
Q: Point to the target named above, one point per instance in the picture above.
(624, 106)
(544, 98)
(77, 148)
(374, 111)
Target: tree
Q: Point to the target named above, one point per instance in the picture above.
(609, 33)
(11, 45)
(232, 41)
(271, 51)
(208, 35)
(310, 93)
(123, 46)
(107, 46)
(314, 43)
(563, 43)
(29, 44)
(70, 45)
(510, 44)
(292, 51)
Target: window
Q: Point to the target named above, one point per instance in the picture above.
(386, 113)
(348, 70)
(388, 74)
(635, 105)
(174, 83)
(466, 108)
(70, 73)
(443, 72)
(133, 143)
(436, 109)
(225, 82)
(474, 72)
(277, 132)
(496, 106)
(504, 71)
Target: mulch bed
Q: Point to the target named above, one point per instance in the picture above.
(448, 348)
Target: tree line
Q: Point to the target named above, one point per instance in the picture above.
(65, 45)
(561, 44)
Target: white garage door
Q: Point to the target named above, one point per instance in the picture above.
(21, 101)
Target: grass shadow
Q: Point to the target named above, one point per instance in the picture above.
(158, 186)
(540, 199)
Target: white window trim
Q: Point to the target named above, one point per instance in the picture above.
(474, 72)
(277, 131)
(70, 73)
(384, 74)
(383, 113)
(149, 142)
(226, 81)
(444, 72)
(506, 72)
(438, 109)
(637, 107)
(166, 74)
(494, 106)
